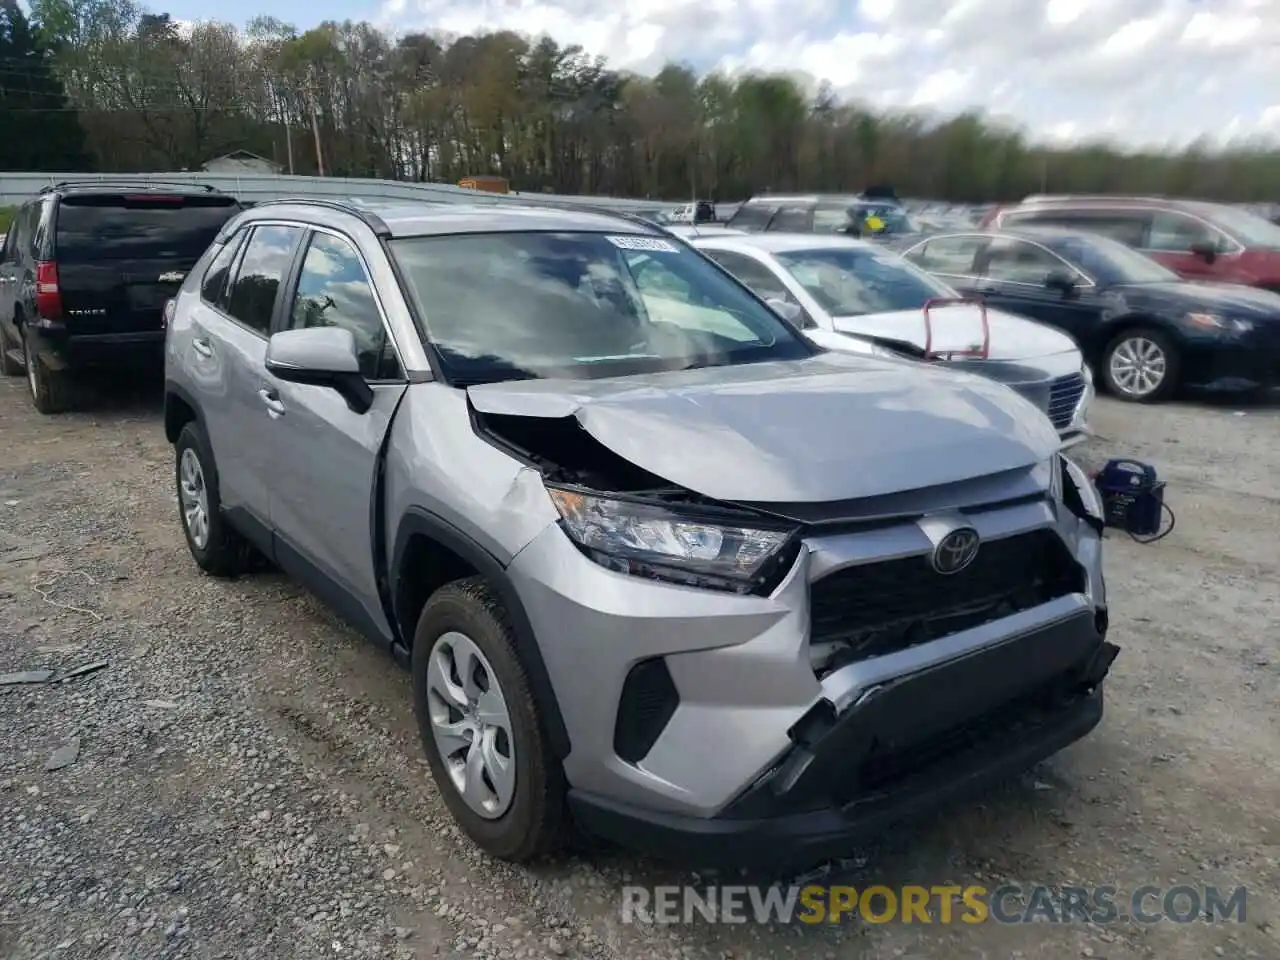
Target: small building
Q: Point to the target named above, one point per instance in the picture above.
(487, 183)
(240, 161)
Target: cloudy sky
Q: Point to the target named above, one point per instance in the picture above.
(1140, 71)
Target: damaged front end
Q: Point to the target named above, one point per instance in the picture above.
(631, 521)
(844, 678)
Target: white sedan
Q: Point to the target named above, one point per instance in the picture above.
(855, 296)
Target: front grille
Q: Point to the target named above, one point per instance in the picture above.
(1064, 396)
(878, 608)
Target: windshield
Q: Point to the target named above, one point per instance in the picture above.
(850, 281)
(1251, 229)
(1110, 261)
(504, 306)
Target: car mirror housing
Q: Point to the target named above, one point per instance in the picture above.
(321, 357)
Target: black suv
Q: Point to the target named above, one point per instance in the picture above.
(86, 270)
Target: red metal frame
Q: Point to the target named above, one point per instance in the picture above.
(980, 353)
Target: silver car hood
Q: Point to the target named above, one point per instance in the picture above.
(959, 327)
(830, 428)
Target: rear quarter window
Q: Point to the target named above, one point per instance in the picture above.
(170, 229)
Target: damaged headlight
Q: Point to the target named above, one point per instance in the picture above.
(649, 541)
(1079, 494)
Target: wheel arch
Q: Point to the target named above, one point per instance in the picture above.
(428, 553)
(1112, 328)
(180, 408)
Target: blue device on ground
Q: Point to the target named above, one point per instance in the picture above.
(1132, 498)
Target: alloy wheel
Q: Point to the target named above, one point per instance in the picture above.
(195, 498)
(471, 725)
(1138, 366)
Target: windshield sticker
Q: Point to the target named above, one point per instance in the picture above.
(652, 244)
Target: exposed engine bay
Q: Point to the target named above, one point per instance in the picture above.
(564, 452)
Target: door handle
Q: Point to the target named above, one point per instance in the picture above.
(271, 399)
(202, 347)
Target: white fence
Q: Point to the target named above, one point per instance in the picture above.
(254, 188)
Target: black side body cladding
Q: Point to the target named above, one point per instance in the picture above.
(419, 522)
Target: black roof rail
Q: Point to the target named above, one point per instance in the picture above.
(89, 182)
(371, 219)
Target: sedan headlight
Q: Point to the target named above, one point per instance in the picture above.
(647, 540)
(1212, 321)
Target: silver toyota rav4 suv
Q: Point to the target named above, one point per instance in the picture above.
(663, 570)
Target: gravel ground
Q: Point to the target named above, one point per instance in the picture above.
(240, 776)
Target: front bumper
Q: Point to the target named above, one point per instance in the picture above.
(1233, 366)
(886, 760)
(745, 706)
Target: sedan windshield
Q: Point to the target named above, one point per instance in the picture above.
(850, 281)
(1110, 261)
(504, 306)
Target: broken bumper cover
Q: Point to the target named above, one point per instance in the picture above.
(902, 750)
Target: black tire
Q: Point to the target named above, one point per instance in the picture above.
(50, 389)
(535, 822)
(1173, 365)
(225, 552)
(9, 367)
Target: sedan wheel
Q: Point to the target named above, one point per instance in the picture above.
(1141, 366)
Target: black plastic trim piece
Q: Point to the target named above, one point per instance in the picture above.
(418, 521)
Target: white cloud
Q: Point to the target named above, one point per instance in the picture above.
(1142, 71)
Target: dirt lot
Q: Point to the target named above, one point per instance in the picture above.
(247, 780)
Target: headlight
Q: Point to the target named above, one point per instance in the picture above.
(1079, 493)
(1211, 321)
(649, 541)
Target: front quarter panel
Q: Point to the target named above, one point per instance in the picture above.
(437, 464)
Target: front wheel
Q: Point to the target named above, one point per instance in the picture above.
(481, 727)
(1140, 365)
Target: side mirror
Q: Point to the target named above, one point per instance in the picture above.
(320, 357)
(790, 312)
(1206, 250)
(1061, 281)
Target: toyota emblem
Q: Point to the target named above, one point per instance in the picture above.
(956, 551)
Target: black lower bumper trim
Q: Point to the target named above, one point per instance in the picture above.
(797, 841)
(890, 758)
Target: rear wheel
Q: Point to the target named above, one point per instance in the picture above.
(216, 547)
(50, 389)
(1141, 365)
(10, 352)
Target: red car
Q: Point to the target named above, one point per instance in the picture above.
(1196, 239)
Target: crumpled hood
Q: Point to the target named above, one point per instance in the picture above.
(959, 327)
(830, 428)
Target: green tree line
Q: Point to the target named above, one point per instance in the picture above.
(128, 90)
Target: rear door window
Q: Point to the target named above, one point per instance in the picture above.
(792, 219)
(268, 255)
(173, 229)
(952, 256)
(752, 216)
(213, 287)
